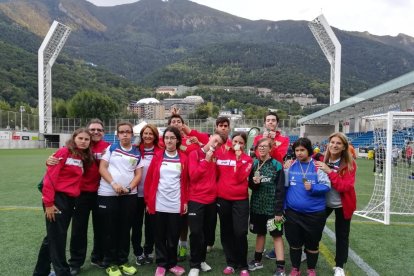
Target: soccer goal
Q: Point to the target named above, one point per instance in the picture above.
(393, 192)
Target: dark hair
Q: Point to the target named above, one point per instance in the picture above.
(154, 130)
(86, 154)
(241, 134)
(176, 133)
(304, 142)
(221, 120)
(95, 121)
(124, 124)
(223, 137)
(175, 116)
(271, 113)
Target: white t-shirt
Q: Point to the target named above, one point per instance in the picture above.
(168, 197)
(122, 166)
(146, 161)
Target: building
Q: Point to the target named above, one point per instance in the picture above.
(170, 90)
(186, 105)
(301, 99)
(148, 108)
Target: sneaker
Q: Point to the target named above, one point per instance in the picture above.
(271, 254)
(96, 263)
(205, 267)
(113, 271)
(303, 257)
(52, 273)
(149, 258)
(160, 271)
(194, 272)
(311, 272)
(228, 270)
(339, 271)
(177, 270)
(255, 265)
(244, 273)
(279, 272)
(128, 269)
(182, 253)
(209, 248)
(140, 260)
(74, 271)
(294, 272)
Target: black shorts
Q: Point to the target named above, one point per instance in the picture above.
(258, 225)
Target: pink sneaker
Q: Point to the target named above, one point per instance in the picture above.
(177, 270)
(228, 270)
(311, 272)
(244, 273)
(160, 271)
(294, 272)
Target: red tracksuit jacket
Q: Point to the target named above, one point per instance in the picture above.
(202, 186)
(344, 182)
(232, 175)
(91, 177)
(153, 178)
(64, 177)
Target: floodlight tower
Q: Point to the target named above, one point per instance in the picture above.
(47, 54)
(331, 47)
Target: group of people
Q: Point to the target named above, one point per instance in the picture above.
(181, 181)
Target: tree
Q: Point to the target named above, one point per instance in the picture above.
(92, 104)
(4, 106)
(204, 111)
(60, 108)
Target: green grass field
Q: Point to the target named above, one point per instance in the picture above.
(386, 249)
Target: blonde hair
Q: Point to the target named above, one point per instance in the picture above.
(346, 162)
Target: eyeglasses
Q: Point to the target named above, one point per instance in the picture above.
(170, 138)
(96, 129)
(124, 132)
(263, 146)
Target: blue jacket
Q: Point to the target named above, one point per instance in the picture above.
(297, 197)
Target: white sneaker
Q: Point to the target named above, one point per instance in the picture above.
(303, 257)
(339, 271)
(205, 267)
(194, 272)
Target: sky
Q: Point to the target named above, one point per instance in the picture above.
(379, 17)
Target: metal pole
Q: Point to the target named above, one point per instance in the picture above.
(21, 117)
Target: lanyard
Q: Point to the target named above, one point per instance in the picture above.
(304, 179)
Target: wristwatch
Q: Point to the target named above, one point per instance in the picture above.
(129, 189)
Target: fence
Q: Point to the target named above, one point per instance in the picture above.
(10, 120)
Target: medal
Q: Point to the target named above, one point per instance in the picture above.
(304, 180)
(256, 174)
(188, 142)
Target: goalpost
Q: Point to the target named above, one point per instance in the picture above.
(393, 192)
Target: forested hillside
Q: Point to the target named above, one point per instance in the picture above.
(152, 42)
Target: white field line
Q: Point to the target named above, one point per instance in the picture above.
(8, 208)
(354, 256)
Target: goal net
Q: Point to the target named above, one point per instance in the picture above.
(393, 191)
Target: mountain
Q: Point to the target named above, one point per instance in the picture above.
(156, 42)
(18, 71)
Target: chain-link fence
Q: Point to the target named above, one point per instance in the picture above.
(10, 120)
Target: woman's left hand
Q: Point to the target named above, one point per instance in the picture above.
(323, 166)
(50, 213)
